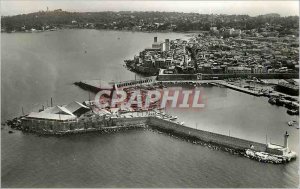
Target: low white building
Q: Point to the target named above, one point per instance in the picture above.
(239, 70)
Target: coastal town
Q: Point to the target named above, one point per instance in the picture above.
(150, 94)
(211, 53)
(262, 61)
(262, 64)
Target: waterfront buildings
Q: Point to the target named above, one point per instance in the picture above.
(212, 53)
(51, 116)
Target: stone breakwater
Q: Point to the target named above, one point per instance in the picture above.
(251, 154)
(86, 125)
(205, 136)
(236, 146)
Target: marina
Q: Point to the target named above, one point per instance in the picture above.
(280, 99)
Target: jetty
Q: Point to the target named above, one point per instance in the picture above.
(44, 123)
(97, 85)
(241, 89)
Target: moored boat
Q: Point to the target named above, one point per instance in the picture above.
(292, 123)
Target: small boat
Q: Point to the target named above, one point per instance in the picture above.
(293, 112)
(291, 123)
(173, 118)
(272, 101)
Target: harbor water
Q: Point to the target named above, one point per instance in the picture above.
(38, 66)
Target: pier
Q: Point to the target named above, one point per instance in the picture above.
(150, 119)
(96, 85)
(241, 89)
(271, 153)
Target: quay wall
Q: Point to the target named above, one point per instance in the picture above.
(257, 75)
(206, 136)
(92, 124)
(173, 77)
(129, 121)
(87, 87)
(244, 90)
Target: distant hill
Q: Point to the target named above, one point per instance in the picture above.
(144, 21)
(270, 15)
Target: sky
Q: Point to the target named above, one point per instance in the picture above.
(252, 8)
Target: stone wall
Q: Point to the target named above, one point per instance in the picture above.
(94, 124)
(91, 123)
(129, 121)
(173, 77)
(206, 136)
(257, 75)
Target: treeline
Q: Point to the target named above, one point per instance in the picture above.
(148, 21)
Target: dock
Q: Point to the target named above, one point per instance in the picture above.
(96, 85)
(241, 89)
(154, 121)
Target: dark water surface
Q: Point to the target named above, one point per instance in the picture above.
(38, 66)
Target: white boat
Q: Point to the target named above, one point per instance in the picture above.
(173, 118)
(292, 123)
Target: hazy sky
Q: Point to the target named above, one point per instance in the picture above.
(252, 8)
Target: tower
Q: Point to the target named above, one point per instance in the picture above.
(286, 135)
(167, 42)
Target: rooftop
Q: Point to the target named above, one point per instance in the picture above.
(51, 116)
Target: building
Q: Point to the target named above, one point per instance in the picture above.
(213, 29)
(160, 63)
(56, 118)
(167, 43)
(169, 75)
(169, 62)
(228, 32)
(236, 32)
(239, 70)
(163, 46)
(278, 149)
(257, 69)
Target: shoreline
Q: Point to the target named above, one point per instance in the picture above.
(58, 29)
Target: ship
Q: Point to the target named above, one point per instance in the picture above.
(290, 88)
